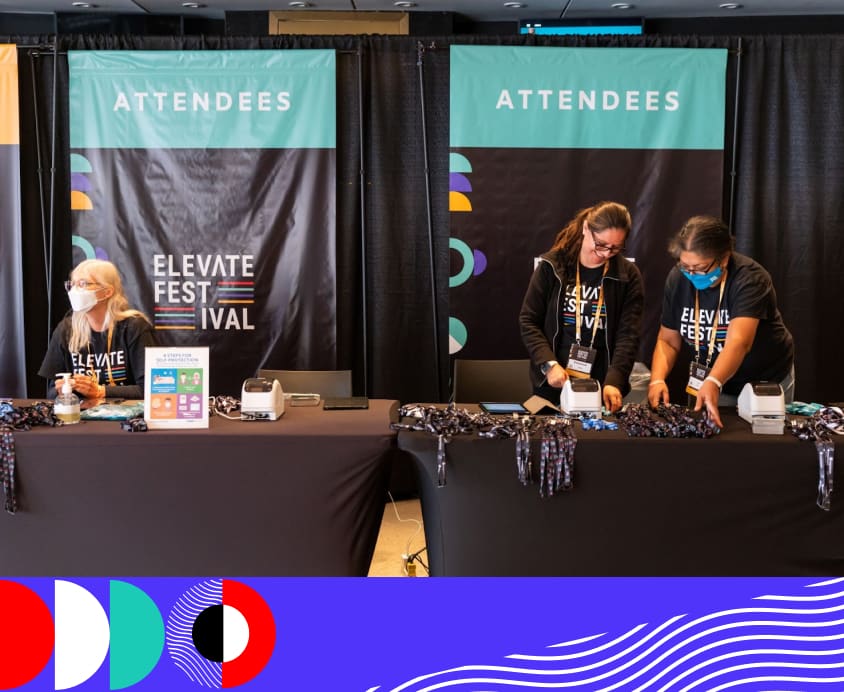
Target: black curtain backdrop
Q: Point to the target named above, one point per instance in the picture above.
(787, 207)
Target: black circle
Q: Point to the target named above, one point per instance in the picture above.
(207, 633)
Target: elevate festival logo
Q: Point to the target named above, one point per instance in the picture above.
(220, 633)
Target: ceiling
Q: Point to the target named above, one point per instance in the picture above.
(476, 10)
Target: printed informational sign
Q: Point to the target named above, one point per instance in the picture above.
(176, 387)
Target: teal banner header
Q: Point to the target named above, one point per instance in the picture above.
(264, 99)
(594, 98)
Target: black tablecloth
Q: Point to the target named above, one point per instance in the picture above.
(736, 504)
(303, 495)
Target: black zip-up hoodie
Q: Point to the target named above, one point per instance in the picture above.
(539, 318)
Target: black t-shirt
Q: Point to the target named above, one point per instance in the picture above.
(125, 358)
(590, 288)
(749, 292)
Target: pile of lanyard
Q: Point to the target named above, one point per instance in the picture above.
(819, 428)
(557, 440)
(223, 405)
(667, 420)
(14, 418)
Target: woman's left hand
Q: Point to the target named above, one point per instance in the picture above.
(612, 398)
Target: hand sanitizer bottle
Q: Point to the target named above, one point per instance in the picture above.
(66, 407)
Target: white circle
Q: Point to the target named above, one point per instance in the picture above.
(235, 633)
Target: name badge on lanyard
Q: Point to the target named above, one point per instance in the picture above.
(698, 372)
(581, 357)
(581, 360)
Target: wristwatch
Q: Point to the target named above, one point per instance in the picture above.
(545, 367)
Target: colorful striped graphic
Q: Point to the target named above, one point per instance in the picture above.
(174, 317)
(242, 292)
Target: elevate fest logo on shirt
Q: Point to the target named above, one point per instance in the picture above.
(707, 322)
(219, 633)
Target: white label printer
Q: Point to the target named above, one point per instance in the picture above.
(762, 404)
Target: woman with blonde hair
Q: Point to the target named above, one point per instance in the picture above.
(582, 311)
(101, 343)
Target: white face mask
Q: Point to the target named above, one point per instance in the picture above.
(82, 300)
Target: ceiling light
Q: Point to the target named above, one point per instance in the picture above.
(730, 6)
(622, 6)
(514, 5)
(299, 4)
(192, 5)
(404, 4)
(83, 5)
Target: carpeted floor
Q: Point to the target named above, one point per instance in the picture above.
(401, 534)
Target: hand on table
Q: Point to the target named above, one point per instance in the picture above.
(557, 376)
(85, 386)
(707, 396)
(612, 398)
(657, 393)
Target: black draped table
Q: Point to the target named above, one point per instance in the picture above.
(303, 495)
(733, 505)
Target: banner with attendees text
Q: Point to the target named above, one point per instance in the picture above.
(538, 133)
(13, 375)
(208, 178)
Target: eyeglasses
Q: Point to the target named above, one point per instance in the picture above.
(603, 247)
(697, 272)
(82, 284)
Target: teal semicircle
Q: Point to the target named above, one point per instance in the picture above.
(79, 164)
(457, 163)
(137, 635)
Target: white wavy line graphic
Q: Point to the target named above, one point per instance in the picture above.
(767, 678)
(628, 664)
(581, 654)
(798, 599)
(735, 640)
(669, 638)
(179, 633)
(837, 580)
(582, 640)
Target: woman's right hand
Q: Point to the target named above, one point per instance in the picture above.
(85, 386)
(557, 376)
(657, 393)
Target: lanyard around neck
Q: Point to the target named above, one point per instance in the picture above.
(577, 305)
(714, 322)
(107, 353)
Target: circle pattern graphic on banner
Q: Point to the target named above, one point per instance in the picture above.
(220, 633)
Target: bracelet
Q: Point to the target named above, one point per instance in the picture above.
(653, 382)
(715, 380)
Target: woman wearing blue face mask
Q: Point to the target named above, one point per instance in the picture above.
(721, 306)
(101, 343)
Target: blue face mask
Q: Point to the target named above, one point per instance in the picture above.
(703, 281)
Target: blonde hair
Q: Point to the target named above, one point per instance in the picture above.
(105, 274)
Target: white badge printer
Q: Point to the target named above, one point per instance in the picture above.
(762, 404)
(261, 399)
(581, 396)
